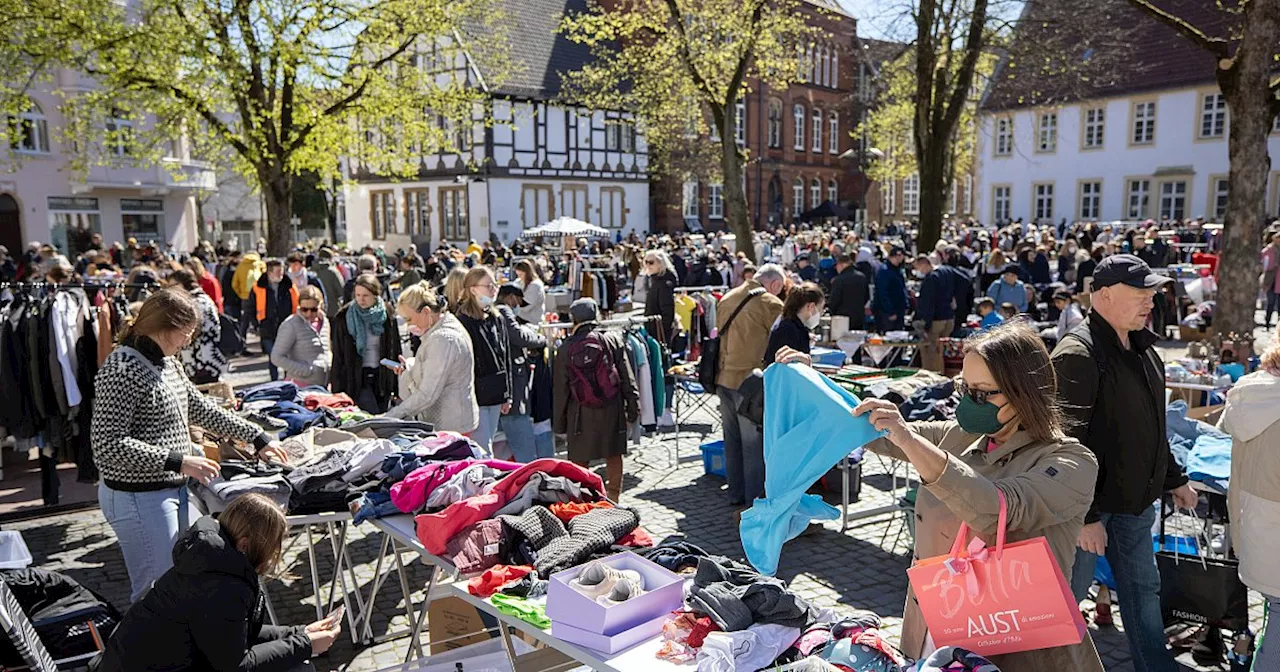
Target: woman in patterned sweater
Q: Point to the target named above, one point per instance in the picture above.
(141, 435)
(202, 357)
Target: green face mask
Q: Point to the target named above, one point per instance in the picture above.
(976, 418)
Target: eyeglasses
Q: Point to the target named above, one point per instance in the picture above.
(650, 262)
(304, 309)
(979, 396)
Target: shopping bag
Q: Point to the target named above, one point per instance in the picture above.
(1199, 589)
(1010, 599)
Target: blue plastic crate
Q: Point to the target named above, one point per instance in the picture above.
(713, 458)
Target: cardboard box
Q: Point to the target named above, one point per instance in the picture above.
(664, 593)
(1190, 334)
(453, 623)
(607, 644)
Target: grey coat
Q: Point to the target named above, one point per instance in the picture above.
(302, 353)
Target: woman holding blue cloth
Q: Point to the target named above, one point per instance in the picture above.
(1007, 439)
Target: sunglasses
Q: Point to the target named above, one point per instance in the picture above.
(978, 396)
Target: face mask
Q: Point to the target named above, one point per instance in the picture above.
(485, 300)
(918, 274)
(813, 320)
(976, 418)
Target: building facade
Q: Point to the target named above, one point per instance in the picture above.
(538, 160)
(1151, 143)
(795, 139)
(43, 200)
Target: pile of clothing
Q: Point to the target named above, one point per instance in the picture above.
(922, 396)
(1203, 451)
(352, 467)
(283, 409)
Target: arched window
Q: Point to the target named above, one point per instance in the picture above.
(775, 123)
(833, 132)
(29, 131)
(817, 130)
(119, 130)
(815, 193)
(797, 197)
(833, 192)
(740, 122)
(835, 68)
(826, 66)
(798, 113)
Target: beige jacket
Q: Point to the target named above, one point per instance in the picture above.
(1252, 418)
(1047, 485)
(438, 386)
(742, 348)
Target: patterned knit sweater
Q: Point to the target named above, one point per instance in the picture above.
(142, 414)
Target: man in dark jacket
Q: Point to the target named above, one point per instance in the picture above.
(517, 423)
(806, 271)
(964, 289)
(206, 613)
(330, 281)
(1111, 384)
(276, 299)
(891, 301)
(935, 309)
(850, 290)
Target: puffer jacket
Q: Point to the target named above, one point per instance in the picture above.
(204, 614)
(246, 275)
(302, 352)
(1252, 418)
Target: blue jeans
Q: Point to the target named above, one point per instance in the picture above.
(520, 441)
(1268, 655)
(743, 451)
(1133, 562)
(545, 444)
(146, 525)
(267, 346)
(488, 426)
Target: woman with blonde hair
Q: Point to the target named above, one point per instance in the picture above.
(454, 285)
(141, 437)
(493, 365)
(438, 386)
(206, 612)
(660, 294)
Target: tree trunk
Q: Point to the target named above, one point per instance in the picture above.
(277, 189)
(735, 197)
(1246, 87)
(933, 187)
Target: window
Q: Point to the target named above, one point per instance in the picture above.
(417, 212)
(537, 204)
(835, 68)
(715, 202)
(1144, 123)
(826, 66)
(1220, 192)
(817, 130)
(864, 92)
(628, 136)
(382, 213)
(1047, 132)
(612, 135)
(833, 191)
(1090, 200)
(690, 199)
(1004, 136)
(119, 132)
(798, 113)
(740, 123)
(833, 132)
(72, 222)
(574, 202)
(142, 218)
(815, 193)
(911, 194)
(613, 214)
(1213, 115)
(1094, 123)
(890, 197)
(453, 214)
(1001, 203)
(1173, 200)
(775, 123)
(815, 58)
(1043, 201)
(797, 197)
(1136, 197)
(29, 131)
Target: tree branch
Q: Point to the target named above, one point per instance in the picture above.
(1217, 46)
(677, 17)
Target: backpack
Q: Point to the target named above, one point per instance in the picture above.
(593, 379)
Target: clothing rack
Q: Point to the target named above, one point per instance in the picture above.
(80, 285)
(616, 322)
(701, 288)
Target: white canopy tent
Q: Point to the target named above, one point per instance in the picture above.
(562, 227)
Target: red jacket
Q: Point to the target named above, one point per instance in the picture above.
(436, 529)
(213, 288)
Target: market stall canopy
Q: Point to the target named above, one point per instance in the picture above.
(827, 209)
(561, 227)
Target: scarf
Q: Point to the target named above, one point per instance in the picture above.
(360, 321)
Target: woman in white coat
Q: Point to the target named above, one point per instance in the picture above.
(437, 386)
(535, 295)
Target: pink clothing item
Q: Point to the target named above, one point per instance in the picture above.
(410, 494)
(992, 445)
(436, 529)
(334, 401)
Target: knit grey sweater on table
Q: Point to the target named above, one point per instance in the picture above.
(142, 414)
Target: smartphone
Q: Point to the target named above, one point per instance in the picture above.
(336, 615)
(390, 364)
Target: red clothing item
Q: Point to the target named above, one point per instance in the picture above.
(213, 288)
(637, 538)
(702, 627)
(495, 578)
(436, 529)
(570, 510)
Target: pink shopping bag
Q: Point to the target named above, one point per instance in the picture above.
(1012, 599)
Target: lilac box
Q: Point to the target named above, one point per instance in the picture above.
(606, 644)
(664, 593)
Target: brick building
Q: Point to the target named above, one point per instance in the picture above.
(795, 139)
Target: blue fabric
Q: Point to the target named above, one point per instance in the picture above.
(808, 428)
(518, 428)
(890, 292)
(1234, 369)
(993, 319)
(1204, 450)
(657, 372)
(1005, 293)
(374, 505)
(277, 391)
(363, 321)
(298, 417)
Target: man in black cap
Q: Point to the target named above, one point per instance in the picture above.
(512, 296)
(1111, 385)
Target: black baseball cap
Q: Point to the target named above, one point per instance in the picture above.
(1011, 268)
(512, 288)
(1126, 269)
(897, 249)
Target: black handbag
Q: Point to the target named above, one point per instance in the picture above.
(230, 342)
(1198, 589)
(709, 366)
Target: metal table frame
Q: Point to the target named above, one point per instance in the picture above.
(335, 526)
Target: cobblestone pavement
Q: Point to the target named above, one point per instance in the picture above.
(863, 568)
